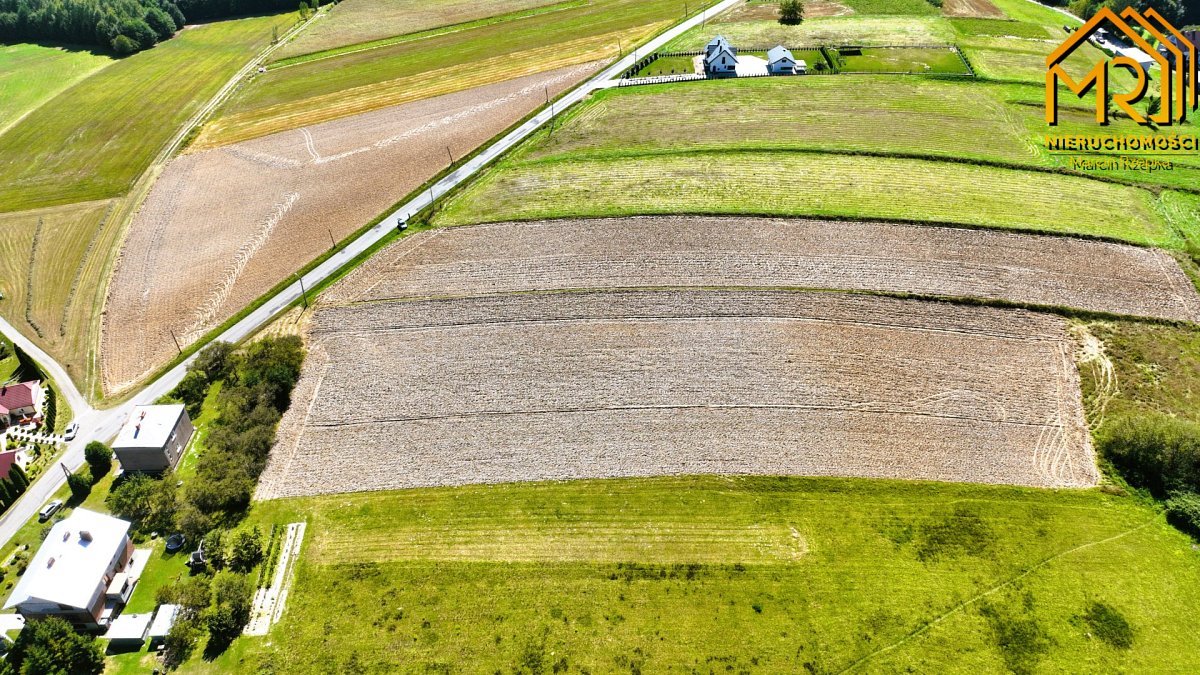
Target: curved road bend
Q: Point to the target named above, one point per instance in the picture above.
(104, 424)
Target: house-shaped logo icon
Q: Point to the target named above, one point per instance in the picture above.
(1178, 92)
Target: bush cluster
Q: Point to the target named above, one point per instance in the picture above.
(1154, 451)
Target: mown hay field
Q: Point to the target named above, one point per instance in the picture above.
(50, 261)
(989, 121)
(132, 108)
(32, 74)
(591, 385)
(705, 573)
(909, 60)
(657, 252)
(833, 31)
(245, 216)
(356, 21)
(811, 184)
(355, 82)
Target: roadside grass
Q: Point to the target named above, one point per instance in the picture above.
(1033, 12)
(356, 82)
(914, 60)
(32, 74)
(813, 184)
(376, 23)
(833, 31)
(704, 573)
(132, 108)
(51, 266)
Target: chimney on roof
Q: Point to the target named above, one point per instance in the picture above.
(85, 535)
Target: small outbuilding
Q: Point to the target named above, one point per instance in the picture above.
(154, 438)
(164, 618)
(780, 61)
(128, 630)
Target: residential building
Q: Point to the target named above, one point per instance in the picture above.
(154, 438)
(20, 401)
(720, 58)
(780, 61)
(83, 561)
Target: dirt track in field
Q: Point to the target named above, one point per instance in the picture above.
(572, 385)
(240, 218)
(983, 9)
(778, 253)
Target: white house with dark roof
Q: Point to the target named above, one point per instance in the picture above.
(82, 568)
(720, 58)
(154, 438)
(780, 61)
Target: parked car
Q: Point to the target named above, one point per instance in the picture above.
(49, 510)
(71, 432)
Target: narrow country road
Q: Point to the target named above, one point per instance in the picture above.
(104, 424)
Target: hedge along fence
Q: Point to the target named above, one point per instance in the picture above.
(651, 58)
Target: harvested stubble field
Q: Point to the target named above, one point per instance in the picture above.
(811, 184)
(49, 259)
(355, 82)
(574, 385)
(656, 252)
(247, 215)
(356, 21)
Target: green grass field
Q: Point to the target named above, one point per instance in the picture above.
(442, 63)
(813, 184)
(1001, 28)
(32, 74)
(132, 108)
(834, 31)
(739, 574)
(890, 7)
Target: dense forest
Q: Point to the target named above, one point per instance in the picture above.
(1178, 12)
(123, 26)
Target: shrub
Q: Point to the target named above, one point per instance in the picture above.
(1155, 451)
(123, 45)
(791, 12)
(80, 483)
(146, 501)
(99, 458)
(245, 550)
(52, 646)
(233, 595)
(1183, 511)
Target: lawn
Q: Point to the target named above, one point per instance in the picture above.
(886, 7)
(445, 62)
(904, 60)
(355, 22)
(132, 108)
(745, 574)
(32, 74)
(669, 65)
(813, 184)
(52, 263)
(1001, 28)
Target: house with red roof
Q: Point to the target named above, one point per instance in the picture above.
(20, 401)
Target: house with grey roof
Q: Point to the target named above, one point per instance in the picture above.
(720, 58)
(780, 61)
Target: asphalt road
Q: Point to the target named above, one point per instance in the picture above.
(104, 424)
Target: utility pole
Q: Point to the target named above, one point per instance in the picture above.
(450, 155)
(547, 88)
(620, 49)
(303, 293)
(332, 242)
(176, 340)
(65, 470)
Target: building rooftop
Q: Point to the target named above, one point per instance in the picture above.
(72, 561)
(163, 620)
(149, 426)
(779, 52)
(129, 627)
(15, 396)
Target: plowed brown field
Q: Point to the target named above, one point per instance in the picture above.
(972, 8)
(638, 383)
(778, 253)
(242, 217)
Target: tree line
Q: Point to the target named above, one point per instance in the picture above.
(1178, 12)
(122, 26)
